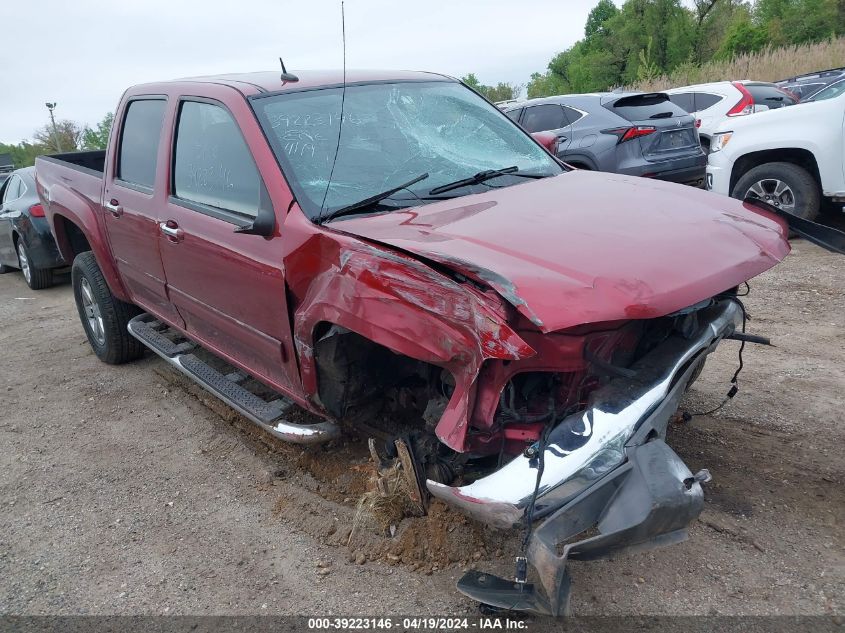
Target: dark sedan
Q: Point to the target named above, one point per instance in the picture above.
(25, 239)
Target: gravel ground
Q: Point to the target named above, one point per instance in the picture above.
(125, 490)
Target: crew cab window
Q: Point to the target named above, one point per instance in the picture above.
(213, 165)
(139, 140)
(544, 117)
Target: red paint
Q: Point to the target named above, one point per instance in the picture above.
(585, 246)
(550, 257)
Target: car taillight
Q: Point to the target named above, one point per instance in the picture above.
(628, 133)
(746, 103)
(36, 211)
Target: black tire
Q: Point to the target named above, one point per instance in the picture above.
(804, 189)
(36, 278)
(5, 269)
(114, 344)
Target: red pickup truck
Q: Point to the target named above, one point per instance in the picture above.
(393, 250)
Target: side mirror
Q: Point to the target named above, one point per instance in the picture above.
(547, 140)
(263, 225)
(265, 222)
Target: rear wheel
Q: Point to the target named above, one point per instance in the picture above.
(103, 315)
(36, 278)
(783, 185)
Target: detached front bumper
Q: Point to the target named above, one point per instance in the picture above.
(606, 467)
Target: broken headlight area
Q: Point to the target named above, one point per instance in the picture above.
(565, 443)
(604, 466)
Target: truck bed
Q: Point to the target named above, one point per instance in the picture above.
(71, 185)
(90, 161)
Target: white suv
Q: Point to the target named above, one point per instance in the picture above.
(792, 158)
(712, 103)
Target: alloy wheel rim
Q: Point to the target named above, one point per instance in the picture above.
(24, 262)
(775, 192)
(92, 313)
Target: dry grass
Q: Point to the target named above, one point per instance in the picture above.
(766, 65)
(378, 511)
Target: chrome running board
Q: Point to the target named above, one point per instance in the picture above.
(269, 415)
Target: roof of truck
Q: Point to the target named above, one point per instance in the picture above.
(270, 81)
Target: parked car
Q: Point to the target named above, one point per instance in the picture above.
(25, 238)
(7, 166)
(507, 103)
(634, 134)
(828, 92)
(791, 158)
(806, 85)
(713, 103)
(421, 263)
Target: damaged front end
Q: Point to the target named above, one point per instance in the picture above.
(604, 467)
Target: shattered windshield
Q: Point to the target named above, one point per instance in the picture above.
(392, 133)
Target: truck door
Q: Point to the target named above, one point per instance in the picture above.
(130, 203)
(229, 287)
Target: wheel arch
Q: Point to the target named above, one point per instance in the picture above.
(795, 155)
(74, 238)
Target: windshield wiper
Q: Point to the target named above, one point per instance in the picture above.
(368, 202)
(480, 177)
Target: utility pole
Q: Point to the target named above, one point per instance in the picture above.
(51, 107)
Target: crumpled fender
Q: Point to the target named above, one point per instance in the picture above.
(406, 306)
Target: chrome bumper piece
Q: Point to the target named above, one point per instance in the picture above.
(587, 446)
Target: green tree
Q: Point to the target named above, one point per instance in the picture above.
(65, 137)
(742, 36)
(472, 81)
(500, 92)
(24, 153)
(596, 28)
(98, 138)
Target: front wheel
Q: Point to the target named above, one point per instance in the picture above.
(103, 315)
(36, 278)
(783, 185)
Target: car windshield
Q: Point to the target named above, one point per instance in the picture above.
(392, 133)
(833, 90)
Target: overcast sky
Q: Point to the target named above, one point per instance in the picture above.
(84, 53)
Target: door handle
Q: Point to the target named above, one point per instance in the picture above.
(172, 231)
(114, 207)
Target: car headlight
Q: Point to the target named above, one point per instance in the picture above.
(720, 141)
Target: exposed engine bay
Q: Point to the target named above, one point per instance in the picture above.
(565, 431)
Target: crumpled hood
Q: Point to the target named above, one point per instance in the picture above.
(585, 247)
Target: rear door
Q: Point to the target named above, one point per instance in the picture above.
(130, 204)
(665, 131)
(548, 117)
(229, 287)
